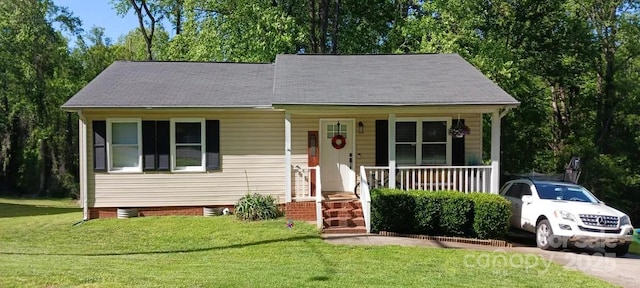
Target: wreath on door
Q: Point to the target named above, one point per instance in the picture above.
(338, 141)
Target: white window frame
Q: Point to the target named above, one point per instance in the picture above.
(203, 137)
(419, 141)
(112, 169)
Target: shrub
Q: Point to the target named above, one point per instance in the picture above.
(456, 213)
(257, 207)
(427, 213)
(449, 213)
(392, 210)
(491, 215)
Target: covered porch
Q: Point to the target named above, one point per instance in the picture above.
(375, 154)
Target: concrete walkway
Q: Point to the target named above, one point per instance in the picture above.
(623, 271)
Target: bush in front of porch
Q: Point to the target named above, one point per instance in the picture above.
(441, 213)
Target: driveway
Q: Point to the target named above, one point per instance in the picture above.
(618, 271)
(621, 271)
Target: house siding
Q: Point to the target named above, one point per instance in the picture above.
(252, 157)
(251, 146)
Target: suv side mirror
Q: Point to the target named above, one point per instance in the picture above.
(527, 199)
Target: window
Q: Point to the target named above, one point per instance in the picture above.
(423, 142)
(188, 144)
(124, 149)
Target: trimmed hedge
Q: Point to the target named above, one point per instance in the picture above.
(448, 213)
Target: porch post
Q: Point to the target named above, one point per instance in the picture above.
(495, 152)
(287, 157)
(82, 141)
(392, 150)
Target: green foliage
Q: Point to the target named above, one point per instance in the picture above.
(392, 210)
(449, 213)
(456, 214)
(256, 206)
(491, 215)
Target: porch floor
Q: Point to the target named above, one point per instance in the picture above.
(338, 196)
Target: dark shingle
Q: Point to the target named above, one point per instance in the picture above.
(178, 84)
(418, 79)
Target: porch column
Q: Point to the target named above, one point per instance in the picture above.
(82, 142)
(392, 150)
(495, 152)
(287, 157)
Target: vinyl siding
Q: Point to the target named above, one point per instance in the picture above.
(251, 141)
(251, 149)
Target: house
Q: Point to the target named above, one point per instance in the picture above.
(173, 137)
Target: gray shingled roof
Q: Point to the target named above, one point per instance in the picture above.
(417, 79)
(178, 84)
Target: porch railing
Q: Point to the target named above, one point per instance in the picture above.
(365, 197)
(461, 178)
(304, 182)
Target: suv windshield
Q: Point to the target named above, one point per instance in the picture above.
(555, 191)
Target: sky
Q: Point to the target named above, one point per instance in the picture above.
(100, 13)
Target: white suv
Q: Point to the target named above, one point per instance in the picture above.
(562, 213)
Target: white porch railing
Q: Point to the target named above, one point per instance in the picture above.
(303, 182)
(365, 197)
(461, 178)
(303, 187)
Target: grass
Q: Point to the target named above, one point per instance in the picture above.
(39, 247)
(635, 246)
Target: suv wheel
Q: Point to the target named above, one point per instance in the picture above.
(620, 249)
(544, 235)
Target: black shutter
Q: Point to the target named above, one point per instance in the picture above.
(149, 145)
(100, 146)
(213, 144)
(163, 145)
(457, 146)
(382, 142)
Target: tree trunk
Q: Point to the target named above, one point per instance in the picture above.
(336, 28)
(313, 41)
(324, 24)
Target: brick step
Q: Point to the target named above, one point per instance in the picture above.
(341, 204)
(343, 222)
(342, 212)
(344, 230)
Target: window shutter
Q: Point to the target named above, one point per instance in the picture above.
(99, 145)
(457, 147)
(213, 144)
(163, 145)
(382, 142)
(149, 145)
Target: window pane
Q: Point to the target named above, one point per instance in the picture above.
(434, 131)
(406, 132)
(124, 156)
(406, 154)
(434, 154)
(188, 156)
(124, 133)
(188, 133)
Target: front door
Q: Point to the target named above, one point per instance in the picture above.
(337, 162)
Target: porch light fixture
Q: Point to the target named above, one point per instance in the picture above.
(360, 128)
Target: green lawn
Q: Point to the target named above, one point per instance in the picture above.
(635, 246)
(39, 247)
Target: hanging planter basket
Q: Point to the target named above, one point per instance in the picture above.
(459, 131)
